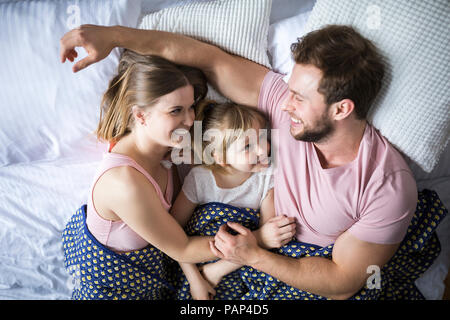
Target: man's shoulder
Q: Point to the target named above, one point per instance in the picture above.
(385, 159)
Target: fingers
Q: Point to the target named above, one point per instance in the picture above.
(68, 43)
(287, 229)
(80, 65)
(215, 251)
(238, 228)
(284, 221)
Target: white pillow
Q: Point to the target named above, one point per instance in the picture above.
(413, 108)
(47, 112)
(281, 35)
(238, 27)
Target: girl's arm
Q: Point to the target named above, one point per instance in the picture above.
(275, 231)
(200, 288)
(182, 209)
(135, 201)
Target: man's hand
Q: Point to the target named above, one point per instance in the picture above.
(276, 232)
(240, 249)
(98, 41)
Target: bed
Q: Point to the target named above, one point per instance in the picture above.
(48, 153)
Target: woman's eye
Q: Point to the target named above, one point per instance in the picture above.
(298, 98)
(176, 111)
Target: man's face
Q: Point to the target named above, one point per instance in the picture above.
(310, 118)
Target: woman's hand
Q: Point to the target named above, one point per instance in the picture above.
(98, 41)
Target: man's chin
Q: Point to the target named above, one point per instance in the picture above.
(296, 134)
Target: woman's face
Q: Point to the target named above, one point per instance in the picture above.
(173, 113)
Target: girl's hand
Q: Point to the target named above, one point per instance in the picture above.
(276, 232)
(202, 290)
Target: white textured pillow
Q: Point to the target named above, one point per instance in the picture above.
(236, 26)
(413, 108)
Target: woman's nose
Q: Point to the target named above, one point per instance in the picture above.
(189, 118)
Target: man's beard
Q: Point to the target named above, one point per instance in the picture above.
(319, 132)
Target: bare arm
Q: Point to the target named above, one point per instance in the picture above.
(339, 278)
(137, 204)
(237, 78)
(275, 231)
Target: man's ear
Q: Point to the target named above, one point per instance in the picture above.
(342, 109)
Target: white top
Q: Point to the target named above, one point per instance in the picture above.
(200, 187)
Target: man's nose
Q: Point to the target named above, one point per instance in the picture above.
(287, 105)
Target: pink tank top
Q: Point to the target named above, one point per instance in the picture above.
(116, 235)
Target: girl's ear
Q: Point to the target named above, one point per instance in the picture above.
(218, 159)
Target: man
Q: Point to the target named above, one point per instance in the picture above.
(336, 175)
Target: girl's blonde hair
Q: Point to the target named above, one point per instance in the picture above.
(141, 81)
(232, 120)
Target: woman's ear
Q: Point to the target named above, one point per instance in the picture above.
(138, 115)
(342, 109)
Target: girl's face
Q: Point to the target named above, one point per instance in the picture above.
(250, 152)
(165, 121)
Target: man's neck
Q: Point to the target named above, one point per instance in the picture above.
(342, 146)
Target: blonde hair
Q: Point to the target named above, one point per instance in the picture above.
(141, 81)
(231, 119)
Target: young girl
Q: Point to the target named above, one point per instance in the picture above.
(113, 245)
(235, 173)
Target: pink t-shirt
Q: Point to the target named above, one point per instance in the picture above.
(373, 197)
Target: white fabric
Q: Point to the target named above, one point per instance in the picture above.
(200, 187)
(413, 108)
(46, 110)
(281, 35)
(238, 27)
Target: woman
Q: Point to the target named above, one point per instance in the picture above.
(113, 245)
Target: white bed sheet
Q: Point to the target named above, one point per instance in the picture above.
(37, 199)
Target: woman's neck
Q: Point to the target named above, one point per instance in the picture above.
(149, 154)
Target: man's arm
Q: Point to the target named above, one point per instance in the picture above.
(237, 78)
(339, 278)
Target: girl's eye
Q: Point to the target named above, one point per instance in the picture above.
(176, 111)
(298, 98)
